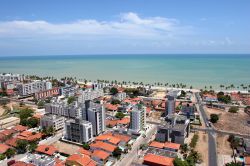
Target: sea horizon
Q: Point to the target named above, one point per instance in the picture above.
(197, 70)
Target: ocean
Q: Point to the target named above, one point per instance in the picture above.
(196, 70)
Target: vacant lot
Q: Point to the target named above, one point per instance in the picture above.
(66, 147)
(202, 147)
(223, 146)
(234, 122)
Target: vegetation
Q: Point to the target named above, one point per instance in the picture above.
(117, 152)
(24, 115)
(233, 109)
(32, 146)
(214, 118)
(193, 157)
(10, 152)
(234, 141)
(143, 146)
(180, 162)
(132, 92)
(113, 90)
(86, 146)
(234, 164)
(71, 99)
(40, 104)
(114, 101)
(194, 141)
(22, 146)
(2, 157)
(48, 131)
(184, 148)
(223, 98)
(119, 115)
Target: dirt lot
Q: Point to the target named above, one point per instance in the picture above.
(234, 122)
(66, 147)
(202, 147)
(160, 94)
(10, 105)
(223, 146)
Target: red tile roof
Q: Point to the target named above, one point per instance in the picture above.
(29, 136)
(151, 159)
(102, 145)
(21, 163)
(84, 151)
(3, 148)
(247, 160)
(122, 137)
(100, 154)
(83, 160)
(20, 128)
(108, 138)
(11, 142)
(8, 132)
(111, 107)
(111, 123)
(172, 145)
(46, 149)
(157, 144)
(124, 121)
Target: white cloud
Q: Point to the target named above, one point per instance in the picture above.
(130, 25)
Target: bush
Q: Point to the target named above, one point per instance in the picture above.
(233, 109)
(113, 90)
(194, 141)
(214, 118)
(86, 146)
(119, 115)
(114, 101)
(71, 99)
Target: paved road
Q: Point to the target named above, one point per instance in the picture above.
(133, 154)
(212, 153)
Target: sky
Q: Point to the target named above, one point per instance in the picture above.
(72, 27)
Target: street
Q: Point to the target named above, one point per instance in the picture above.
(131, 155)
(212, 153)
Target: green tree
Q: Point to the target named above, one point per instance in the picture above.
(41, 104)
(119, 115)
(179, 162)
(25, 113)
(233, 109)
(233, 164)
(86, 146)
(22, 146)
(113, 90)
(32, 122)
(194, 141)
(184, 148)
(114, 101)
(32, 146)
(10, 152)
(71, 99)
(117, 152)
(2, 157)
(214, 118)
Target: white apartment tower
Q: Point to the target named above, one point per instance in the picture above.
(170, 109)
(33, 87)
(138, 118)
(96, 115)
(79, 131)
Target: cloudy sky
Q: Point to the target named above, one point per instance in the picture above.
(46, 27)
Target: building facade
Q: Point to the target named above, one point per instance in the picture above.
(170, 105)
(138, 118)
(96, 115)
(79, 131)
(26, 89)
(90, 94)
(48, 120)
(47, 93)
(11, 77)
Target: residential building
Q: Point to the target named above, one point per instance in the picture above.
(176, 130)
(120, 96)
(138, 118)
(80, 160)
(62, 108)
(188, 110)
(41, 160)
(47, 93)
(157, 160)
(26, 89)
(170, 103)
(11, 77)
(96, 115)
(89, 94)
(79, 131)
(48, 120)
(67, 91)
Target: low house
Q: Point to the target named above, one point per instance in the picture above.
(98, 145)
(80, 160)
(84, 151)
(247, 161)
(108, 138)
(4, 148)
(19, 128)
(46, 149)
(156, 160)
(100, 156)
(11, 142)
(29, 136)
(174, 147)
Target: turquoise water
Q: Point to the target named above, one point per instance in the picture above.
(195, 70)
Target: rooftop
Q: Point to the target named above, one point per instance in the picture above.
(83, 160)
(105, 146)
(3, 148)
(100, 154)
(46, 149)
(158, 160)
